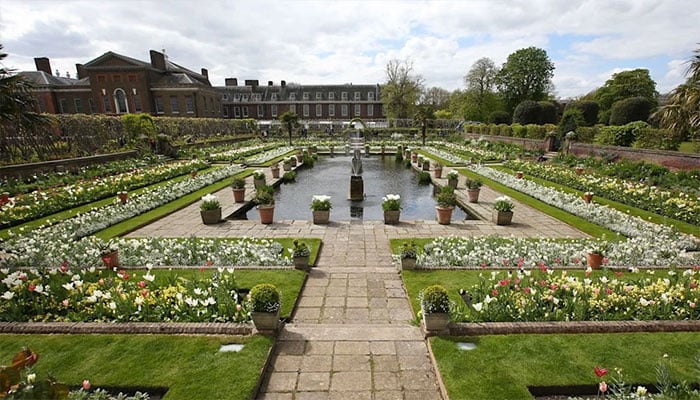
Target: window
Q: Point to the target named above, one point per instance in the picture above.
(344, 110)
(137, 103)
(344, 96)
(331, 110)
(370, 95)
(245, 112)
(120, 105)
(293, 108)
(306, 110)
(305, 96)
(116, 78)
(174, 105)
(245, 97)
(189, 104)
(237, 112)
(273, 97)
(225, 96)
(258, 97)
(370, 110)
(357, 110)
(226, 112)
(331, 95)
(319, 110)
(62, 106)
(101, 78)
(159, 105)
(319, 96)
(91, 106)
(357, 96)
(78, 106)
(108, 106)
(292, 96)
(261, 111)
(273, 110)
(132, 78)
(237, 97)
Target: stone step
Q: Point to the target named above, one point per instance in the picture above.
(344, 332)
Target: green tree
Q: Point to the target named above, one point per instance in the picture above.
(589, 110)
(289, 119)
(424, 116)
(527, 112)
(681, 113)
(623, 85)
(402, 89)
(630, 110)
(480, 82)
(438, 97)
(526, 75)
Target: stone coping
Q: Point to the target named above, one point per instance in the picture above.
(161, 328)
(557, 327)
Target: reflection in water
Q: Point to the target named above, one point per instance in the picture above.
(331, 176)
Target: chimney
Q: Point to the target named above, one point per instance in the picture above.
(43, 64)
(205, 73)
(231, 82)
(269, 83)
(283, 83)
(67, 74)
(157, 60)
(81, 71)
(58, 73)
(252, 82)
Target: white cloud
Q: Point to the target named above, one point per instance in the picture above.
(351, 41)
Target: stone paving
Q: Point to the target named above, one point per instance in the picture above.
(351, 336)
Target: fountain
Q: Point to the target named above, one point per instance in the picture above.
(357, 186)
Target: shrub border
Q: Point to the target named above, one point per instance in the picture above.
(559, 327)
(165, 328)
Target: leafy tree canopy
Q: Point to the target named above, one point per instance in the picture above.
(626, 84)
(401, 92)
(526, 75)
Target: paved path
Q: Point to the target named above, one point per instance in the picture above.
(350, 336)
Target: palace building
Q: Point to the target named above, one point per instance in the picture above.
(115, 84)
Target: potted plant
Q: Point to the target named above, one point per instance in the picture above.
(595, 256)
(446, 202)
(238, 187)
(519, 175)
(435, 307)
(409, 255)
(391, 204)
(503, 210)
(473, 189)
(426, 165)
(453, 179)
(265, 307)
(258, 178)
(579, 169)
(321, 208)
(210, 209)
(293, 160)
(414, 157)
(587, 197)
(265, 200)
(275, 169)
(287, 164)
(301, 254)
(437, 169)
(123, 196)
(109, 253)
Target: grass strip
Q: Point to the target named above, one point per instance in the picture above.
(190, 366)
(682, 226)
(579, 223)
(502, 366)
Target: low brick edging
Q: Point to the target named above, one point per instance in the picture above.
(503, 328)
(161, 328)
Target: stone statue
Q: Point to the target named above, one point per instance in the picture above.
(356, 162)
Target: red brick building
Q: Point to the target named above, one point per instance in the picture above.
(116, 84)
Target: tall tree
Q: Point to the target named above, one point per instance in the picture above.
(289, 119)
(400, 93)
(424, 116)
(437, 97)
(626, 84)
(681, 113)
(526, 75)
(480, 82)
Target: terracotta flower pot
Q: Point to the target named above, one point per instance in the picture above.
(123, 197)
(258, 182)
(502, 217)
(267, 214)
(436, 322)
(452, 183)
(301, 262)
(519, 175)
(437, 172)
(444, 215)
(111, 260)
(579, 170)
(408, 263)
(266, 321)
(473, 195)
(321, 217)
(594, 260)
(275, 172)
(587, 197)
(239, 195)
(210, 217)
(391, 217)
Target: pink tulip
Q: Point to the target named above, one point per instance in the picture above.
(86, 384)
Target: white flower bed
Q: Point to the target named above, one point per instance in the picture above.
(235, 152)
(269, 155)
(453, 159)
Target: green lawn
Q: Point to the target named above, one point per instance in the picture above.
(502, 366)
(190, 366)
(689, 147)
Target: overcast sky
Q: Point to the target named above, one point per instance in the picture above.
(325, 42)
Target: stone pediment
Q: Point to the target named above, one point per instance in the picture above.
(111, 59)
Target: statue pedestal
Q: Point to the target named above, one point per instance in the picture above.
(357, 188)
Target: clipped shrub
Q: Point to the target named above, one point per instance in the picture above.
(265, 297)
(494, 130)
(423, 177)
(519, 130)
(548, 112)
(505, 130)
(630, 110)
(586, 134)
(434, 299)
(570, 121)
(535, 131)
(527, 112)
(623, 135)
(589, 110)
(651, 138)
(499, 117)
